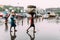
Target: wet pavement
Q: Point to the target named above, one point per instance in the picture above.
(48, 29)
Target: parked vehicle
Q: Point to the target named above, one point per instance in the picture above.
(45, 16)
(52, 14)
(38, 15)
(1, 14)
(20, 15)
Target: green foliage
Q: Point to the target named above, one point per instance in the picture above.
(58, 13)
(1, 9)
(17, 10)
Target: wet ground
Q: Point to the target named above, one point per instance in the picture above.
(48, 29)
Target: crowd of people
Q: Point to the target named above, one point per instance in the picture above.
(12, 16)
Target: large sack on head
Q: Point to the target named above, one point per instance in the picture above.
(31, 9)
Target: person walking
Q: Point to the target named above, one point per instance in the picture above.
(13, 20)
(32, 12)
(5, 16)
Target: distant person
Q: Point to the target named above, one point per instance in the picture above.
(46, 16)
(31, 12)
(13, 21)
(18, 19)
(22, 21)
(6, 15)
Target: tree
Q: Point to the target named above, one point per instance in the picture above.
(58, 13)
(1, 9)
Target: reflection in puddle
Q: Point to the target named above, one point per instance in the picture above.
(13, 35)
(31, 37)
(53, 20)
(49, 29)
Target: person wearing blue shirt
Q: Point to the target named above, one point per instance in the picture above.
(13, 22)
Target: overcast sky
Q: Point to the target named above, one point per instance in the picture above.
(39, 3)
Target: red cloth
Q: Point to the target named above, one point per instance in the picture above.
(31, 20)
